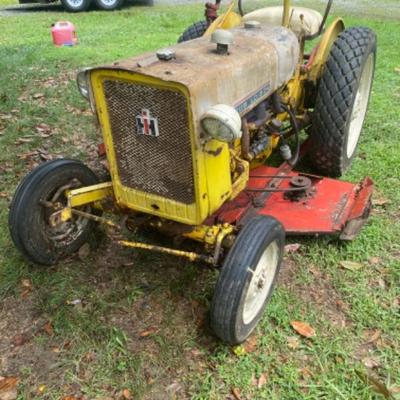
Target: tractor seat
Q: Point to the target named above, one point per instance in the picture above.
(303, 21)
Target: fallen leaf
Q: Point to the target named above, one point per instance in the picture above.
(45, 156)
(380, 201)
(48, 328)
(372, 336)
(371, 362)
(74, 302)
(303, 328)
(239, 350)
(8, 388)
(375, 384)
(22, 140)
(351, 265)
(26, 283)
(374, 260)
(250, 344)
(292, 248)
(38, 95)
(41, 389)
(148, 332)
(27, 288)
(293, 342)
(306, 372)
(174, 388)
(20, 339)
(126, 394)
(25, 156)
(43, 130)
(84, 251)
(236, 394)
(262, 380)
(382, 284)
(396, 303)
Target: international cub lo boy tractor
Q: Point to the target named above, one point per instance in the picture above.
(187, 131)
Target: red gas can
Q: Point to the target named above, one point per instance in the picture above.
(63, 33)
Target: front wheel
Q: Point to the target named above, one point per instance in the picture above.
(342, 101)
(76, 5)
(247, 279)
(41, 193)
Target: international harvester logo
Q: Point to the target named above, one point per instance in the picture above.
(146, 124)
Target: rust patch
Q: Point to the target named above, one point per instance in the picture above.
(216, 152)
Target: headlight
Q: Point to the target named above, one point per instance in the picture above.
(222, 122)
(82, 80)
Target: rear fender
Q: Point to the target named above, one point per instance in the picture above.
(321, 52)
(228, 20)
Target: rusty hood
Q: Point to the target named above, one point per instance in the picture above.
(259, 61)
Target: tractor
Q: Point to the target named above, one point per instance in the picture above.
(202, 141)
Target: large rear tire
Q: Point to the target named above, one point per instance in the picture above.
(247, 279)
(342, 101)
(29, 225)
(194, 31)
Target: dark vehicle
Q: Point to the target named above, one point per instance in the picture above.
(81, 5)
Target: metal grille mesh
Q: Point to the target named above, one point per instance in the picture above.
(159, 165)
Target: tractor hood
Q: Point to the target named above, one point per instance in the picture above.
(258, 62)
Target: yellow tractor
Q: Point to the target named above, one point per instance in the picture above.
(188, 130)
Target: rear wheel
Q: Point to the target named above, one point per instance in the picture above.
(247, 279)
(342, 101)
(30, 212)
(194, 31)
(76, 5)
(109, 4)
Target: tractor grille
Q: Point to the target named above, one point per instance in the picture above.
(160, 165)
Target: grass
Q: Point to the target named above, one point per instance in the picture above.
(140, 323)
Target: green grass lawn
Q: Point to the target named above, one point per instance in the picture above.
(141, 320)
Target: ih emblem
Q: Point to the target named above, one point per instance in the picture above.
(147, 125)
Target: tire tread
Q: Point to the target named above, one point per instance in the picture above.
(194, 31)
(334, 100)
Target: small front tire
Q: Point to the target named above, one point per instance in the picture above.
(30, 230)
(247, 279)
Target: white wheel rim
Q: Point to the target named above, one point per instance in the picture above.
(75, 3)
(261, 282)
(108, 3)
(360, 106)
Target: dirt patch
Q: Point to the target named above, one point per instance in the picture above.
(156, 305)
(319, 291)
(21, 329)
